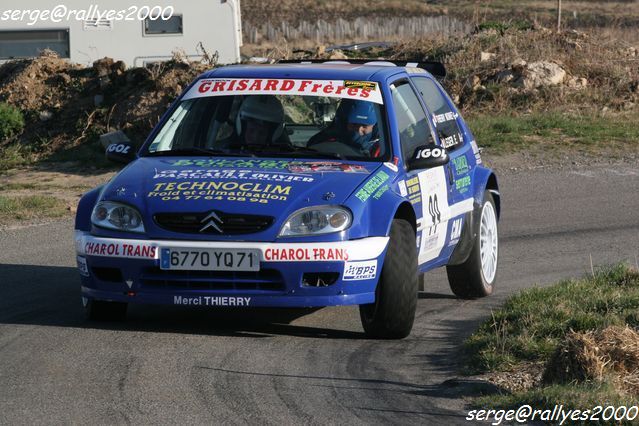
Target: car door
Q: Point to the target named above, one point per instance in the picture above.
(428, 190)
(445, 118)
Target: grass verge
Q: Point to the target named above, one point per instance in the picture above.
(541, 325)
(556, 131)
(30, 207)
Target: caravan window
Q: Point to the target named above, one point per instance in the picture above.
(29, 43)
(158, 26)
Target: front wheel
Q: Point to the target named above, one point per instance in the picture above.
(392, 314)
(477, 276)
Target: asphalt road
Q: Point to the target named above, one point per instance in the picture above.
(179, 365)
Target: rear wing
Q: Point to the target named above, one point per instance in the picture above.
(435, 68)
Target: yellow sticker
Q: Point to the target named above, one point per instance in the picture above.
(360, 85)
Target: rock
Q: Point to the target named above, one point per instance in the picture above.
(104, 82)
(631, 51)
(321, 50)
(541, 74)
(576, 83)
(138, 75)
(474, 82)
(505, 76)
(337, 54)
(118, 68)
(64, 78)
(518, 66)
(486, 56)
(45, 115)
(103, 66)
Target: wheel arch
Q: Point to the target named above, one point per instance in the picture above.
(85, 207)
(486, 180)
(406, 212)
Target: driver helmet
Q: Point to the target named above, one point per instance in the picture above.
(265, 110)
(362, 113)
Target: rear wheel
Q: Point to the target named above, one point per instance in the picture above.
(392, 314)
(477, 276)
(99, 310)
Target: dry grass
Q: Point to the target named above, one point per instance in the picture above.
(609, 67)
(611, 353)
(581, 333)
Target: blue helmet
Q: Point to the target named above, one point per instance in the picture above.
(362, 112)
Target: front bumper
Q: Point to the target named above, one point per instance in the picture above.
(129, 271)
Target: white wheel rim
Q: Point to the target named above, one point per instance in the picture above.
(488, 242)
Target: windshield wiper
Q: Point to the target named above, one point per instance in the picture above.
(200, 152)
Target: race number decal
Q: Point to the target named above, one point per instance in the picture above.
(436, 212)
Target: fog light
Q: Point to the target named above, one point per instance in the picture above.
(319, 279)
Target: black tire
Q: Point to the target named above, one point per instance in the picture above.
(467, 280)
(99, 310)
(392, 314)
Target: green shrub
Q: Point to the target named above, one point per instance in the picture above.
(11, 121)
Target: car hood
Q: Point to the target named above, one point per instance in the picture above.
(233, 185)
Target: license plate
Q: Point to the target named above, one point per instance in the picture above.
(190, 259)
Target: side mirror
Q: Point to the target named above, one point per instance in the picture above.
(119, 147)
(122, 152)
(428, 156)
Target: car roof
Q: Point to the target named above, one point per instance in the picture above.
(328, 71)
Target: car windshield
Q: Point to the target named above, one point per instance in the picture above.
(338, 124)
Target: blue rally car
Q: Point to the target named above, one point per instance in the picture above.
(295, 185)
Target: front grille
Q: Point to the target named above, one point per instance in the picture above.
(228, 223)
(266, 280)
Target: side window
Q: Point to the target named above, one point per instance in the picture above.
(444, 117)
(411, 119)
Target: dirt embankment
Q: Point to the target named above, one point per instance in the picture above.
(65, 105)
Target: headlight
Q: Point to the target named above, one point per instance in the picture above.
(107, 214)
(317, 220)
